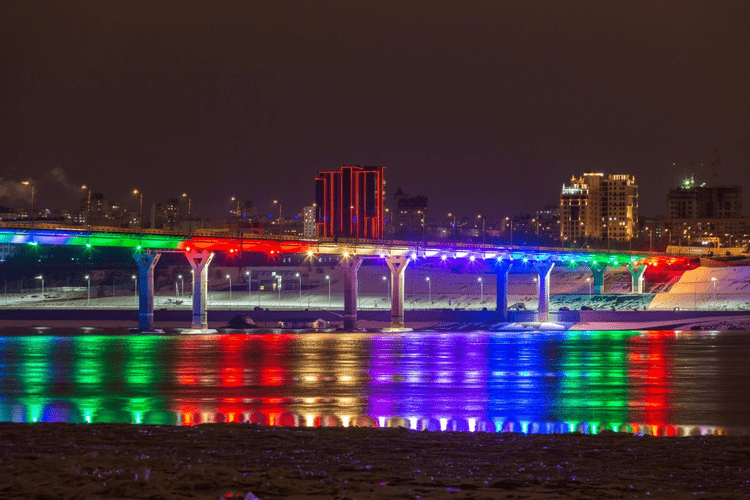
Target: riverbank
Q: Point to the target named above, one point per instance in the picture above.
(54, 461)
(420, 320)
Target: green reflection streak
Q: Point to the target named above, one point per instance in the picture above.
(594, 383)
(143, 371)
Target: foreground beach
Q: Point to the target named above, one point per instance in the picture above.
(56, 461)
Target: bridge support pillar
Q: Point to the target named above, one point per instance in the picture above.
(397, 265)
(351, 266)
(543, 268)
(501, 271)
(597, 271)
(146, 263)
(636, 276)
(199, 261)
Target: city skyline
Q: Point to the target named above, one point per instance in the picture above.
(478, 100)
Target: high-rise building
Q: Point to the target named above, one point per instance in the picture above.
(689, 201)
(410, 215)
(599, 207)
(308, 222)
(349, 202)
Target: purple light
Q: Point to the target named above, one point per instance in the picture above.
(443, 257)
(472, 258)
(413, 256)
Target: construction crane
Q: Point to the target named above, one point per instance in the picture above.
(714, 164)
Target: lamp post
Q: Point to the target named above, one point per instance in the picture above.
(40, 277)
(278, 289)
(88, 206)
(28, 183)
(481, 290)
(190, 212)
(276, 202)
(713, 282)
(483, 234)
(511, 229)
(450, 214)
(387, 288)
(135, 288)
(230, 291)
(182, 285)
(328, 279)
(249, 275)
(234, 198)
(140, 207)
(88, 290)
(299, 279)
(429, 289)
(588, 280)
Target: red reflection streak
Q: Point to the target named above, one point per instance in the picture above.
(650, 372)
(231, 366)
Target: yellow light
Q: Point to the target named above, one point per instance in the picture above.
(346, 254)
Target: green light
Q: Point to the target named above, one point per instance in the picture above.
(33, 243)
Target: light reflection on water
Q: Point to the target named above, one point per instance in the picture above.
(659, 383)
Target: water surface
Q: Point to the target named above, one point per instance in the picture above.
(661, 383)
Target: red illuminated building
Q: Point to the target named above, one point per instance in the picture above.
(350, 202)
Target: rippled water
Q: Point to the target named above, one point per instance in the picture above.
(661, 383)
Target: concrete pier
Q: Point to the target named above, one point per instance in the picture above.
(351, 266)
(146, 263)
(199, 261)
(543, 268)
(397, 265)
(502, 268)
(636, 276)
(597, 271)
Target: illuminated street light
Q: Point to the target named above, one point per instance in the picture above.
(230, 291)
(713, 282)
(328, 279)
(429, 289)
(88, 206)
(276, 202)
(481, 289)
(387, 287)
(88, 290)
(40, 277)
(483, 234)
(140, 208)
(249, 275)
(190, 212)
(299, 278)
(588, 280)
(508, 219)
(32, 215)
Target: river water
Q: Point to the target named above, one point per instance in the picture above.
(660, 383)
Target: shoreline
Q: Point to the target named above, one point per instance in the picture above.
(230, 460)
(378, 321)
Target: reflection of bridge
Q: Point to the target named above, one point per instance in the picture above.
(199, 248)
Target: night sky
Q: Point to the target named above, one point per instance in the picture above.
(483, 106)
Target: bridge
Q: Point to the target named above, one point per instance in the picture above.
(199, 247)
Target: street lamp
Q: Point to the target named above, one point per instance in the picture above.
(650, 239)
(238, 214)
(135, 288)
(481, 289)
(28, 183)
(588, 280)
(387, 288)
(510, 221)
(40, 277)
(278, 289)
(299, 278)
(249, 286)
(429, 289)
(190, 212)
(230, 291)
(88, 290)
(276, 202)
(483, 234)
(182, 285)
(450, 214)
(140, 207)
(713, 282)
(328, 279)
(88, 206)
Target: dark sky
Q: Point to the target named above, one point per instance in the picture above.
(483, 106)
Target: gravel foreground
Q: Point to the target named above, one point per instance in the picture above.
(81, 462)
